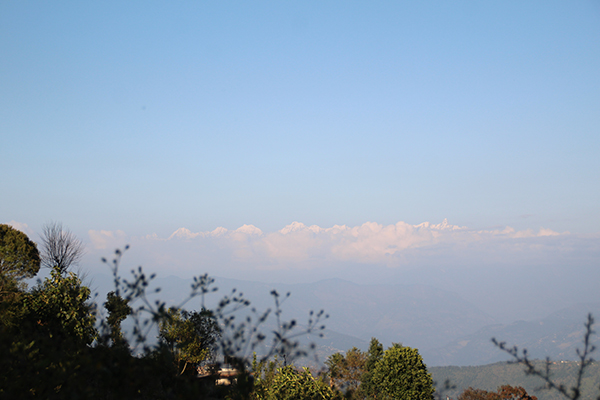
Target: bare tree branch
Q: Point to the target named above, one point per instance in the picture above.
(573, 393)
(60, 248)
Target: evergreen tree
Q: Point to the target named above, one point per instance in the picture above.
(19, 259)
(118, 309)
(374, 355)
(401, 374)
(346, 371)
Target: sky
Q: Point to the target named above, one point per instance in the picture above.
(306, 140)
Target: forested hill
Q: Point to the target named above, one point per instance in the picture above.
(490, 377)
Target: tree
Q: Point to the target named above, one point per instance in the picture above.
(474, 394)
(191, 336)
(118, 309)
(290, 384)
(60, 248)
(374, 355)
(335, 366)
(19, 258)
(401, 374)
(59, 308)
(45, 347)
(346, 371)
(49, 350)
(505, 392)
(264, 372)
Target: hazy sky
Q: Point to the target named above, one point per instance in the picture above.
(123, 120)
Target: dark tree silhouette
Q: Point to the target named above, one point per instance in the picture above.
(60, 248)
(118, 309)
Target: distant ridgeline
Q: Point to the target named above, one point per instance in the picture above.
(490, 377)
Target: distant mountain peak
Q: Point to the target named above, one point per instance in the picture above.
(183, 233)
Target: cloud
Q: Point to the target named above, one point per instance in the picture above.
(23, 228)
(503, 270)
(300, 247)
(547, 232)
(107, 239)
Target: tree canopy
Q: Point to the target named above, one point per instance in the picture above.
(346, 371)
(118, 309)
(374, 355)
(288, 383)
(19, 257)
(505, 392)
(50, 348)
(401, 374)
(59, 307)
(191, 336)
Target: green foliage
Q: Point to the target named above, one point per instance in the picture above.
(263, 372)
(118, 309)
(346, 372)
(401, 374)
(287, 383)
(49, 336)
(335, 366)
(191, 336)
(397, 373)
(59, 308)
(48, 348)
(374, 355)
(19, 258)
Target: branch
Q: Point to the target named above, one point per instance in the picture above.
(574, 393)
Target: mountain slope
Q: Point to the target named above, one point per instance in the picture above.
(556, 336)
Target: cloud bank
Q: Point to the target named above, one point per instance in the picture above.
(298, 247)
(507, 273)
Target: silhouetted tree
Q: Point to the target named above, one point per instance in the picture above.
(60, 248)
(44, 349)
(118, 309)
(60, 308)
(191, 336)
(49, 351)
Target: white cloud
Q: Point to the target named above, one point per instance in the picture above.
(547, 232)
(301, 247)
(107, 239)
(483, 266)
(23, 228)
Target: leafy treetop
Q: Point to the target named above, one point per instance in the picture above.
(401, 374)
(19, 257)
(505, 392)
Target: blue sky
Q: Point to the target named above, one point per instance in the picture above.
(145, 117)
